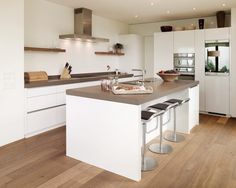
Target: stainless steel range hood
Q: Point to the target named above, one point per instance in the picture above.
(83, 27)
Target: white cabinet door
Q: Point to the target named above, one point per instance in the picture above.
(200, 66)
(193, 107)
(61, 114)
(40, 121)
(163, 51)
(184, 42)
(149, 56)
(217, 34)
(217, 94)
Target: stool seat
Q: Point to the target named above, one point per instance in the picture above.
(160, 106)
(147, 115)
(179, 101)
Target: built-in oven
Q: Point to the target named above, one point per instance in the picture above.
(184, 63)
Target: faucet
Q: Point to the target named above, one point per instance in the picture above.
(143, 71)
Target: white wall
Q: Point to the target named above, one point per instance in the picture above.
(12, 71)
(233, 65)
(45, 21)
(134, 53)
(150, 28)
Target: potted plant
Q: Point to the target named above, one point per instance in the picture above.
(118, 47)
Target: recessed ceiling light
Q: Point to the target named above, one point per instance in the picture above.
(136, 16)
(152, 3)
(194, 8)
(168, 12)
(223, 5)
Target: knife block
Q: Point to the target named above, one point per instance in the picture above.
(65, 75)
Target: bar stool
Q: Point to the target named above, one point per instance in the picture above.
(173, 136)
(160, 147)
(148, 163)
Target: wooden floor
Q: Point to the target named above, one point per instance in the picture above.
(206, 159)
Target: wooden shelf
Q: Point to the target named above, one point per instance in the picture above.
(109, 53)
(44, 49)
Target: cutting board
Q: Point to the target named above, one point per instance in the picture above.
(36, 76)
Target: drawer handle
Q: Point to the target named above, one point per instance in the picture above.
(45, 108)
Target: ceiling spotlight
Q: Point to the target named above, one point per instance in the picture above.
(223, 5)
(168, 12)
(152, 3)
(136, 16)
(194, 8)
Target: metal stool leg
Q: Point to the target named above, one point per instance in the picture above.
(148, 163)
(160, 147)
(173, 136)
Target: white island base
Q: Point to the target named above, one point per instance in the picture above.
(108, 134)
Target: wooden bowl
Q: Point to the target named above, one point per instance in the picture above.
(167, 77)
(166, 28)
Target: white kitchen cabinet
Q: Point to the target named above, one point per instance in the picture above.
(233, 64)
(217, 34)
(200, 66)
(45, 107)
(40, 121)
(45, 101)
(217, 94)
(184, 42)
(193, 107)
(149, 56)
(163, 51)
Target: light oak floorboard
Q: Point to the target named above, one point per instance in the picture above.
(206, 159)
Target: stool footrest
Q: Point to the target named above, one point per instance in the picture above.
(149, 164)
(174, 137)
(163, 149)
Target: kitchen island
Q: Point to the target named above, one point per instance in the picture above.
(105, 130)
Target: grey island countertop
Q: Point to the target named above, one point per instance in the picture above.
(160, 89)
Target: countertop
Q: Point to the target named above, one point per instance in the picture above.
(76, 78)
(160, 89)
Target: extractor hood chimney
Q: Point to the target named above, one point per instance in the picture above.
(83, 27)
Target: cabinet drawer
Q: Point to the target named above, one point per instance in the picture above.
(61, 114)
(44, 120)
(33, 92)
(45, 101)
(41, 120)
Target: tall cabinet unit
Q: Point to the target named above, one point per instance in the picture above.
(233, 64)
(184, 42)
(217, 84)
(163, 51)
(200, 66)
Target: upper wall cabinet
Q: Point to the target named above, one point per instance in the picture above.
(184, 42)
(217, 34)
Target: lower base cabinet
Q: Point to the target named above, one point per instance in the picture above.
(45, 107)
(43, 120)
(217, 94)
(193, 107)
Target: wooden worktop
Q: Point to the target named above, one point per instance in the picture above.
(160, 89)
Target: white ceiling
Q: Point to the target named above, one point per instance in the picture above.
(143, 11)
